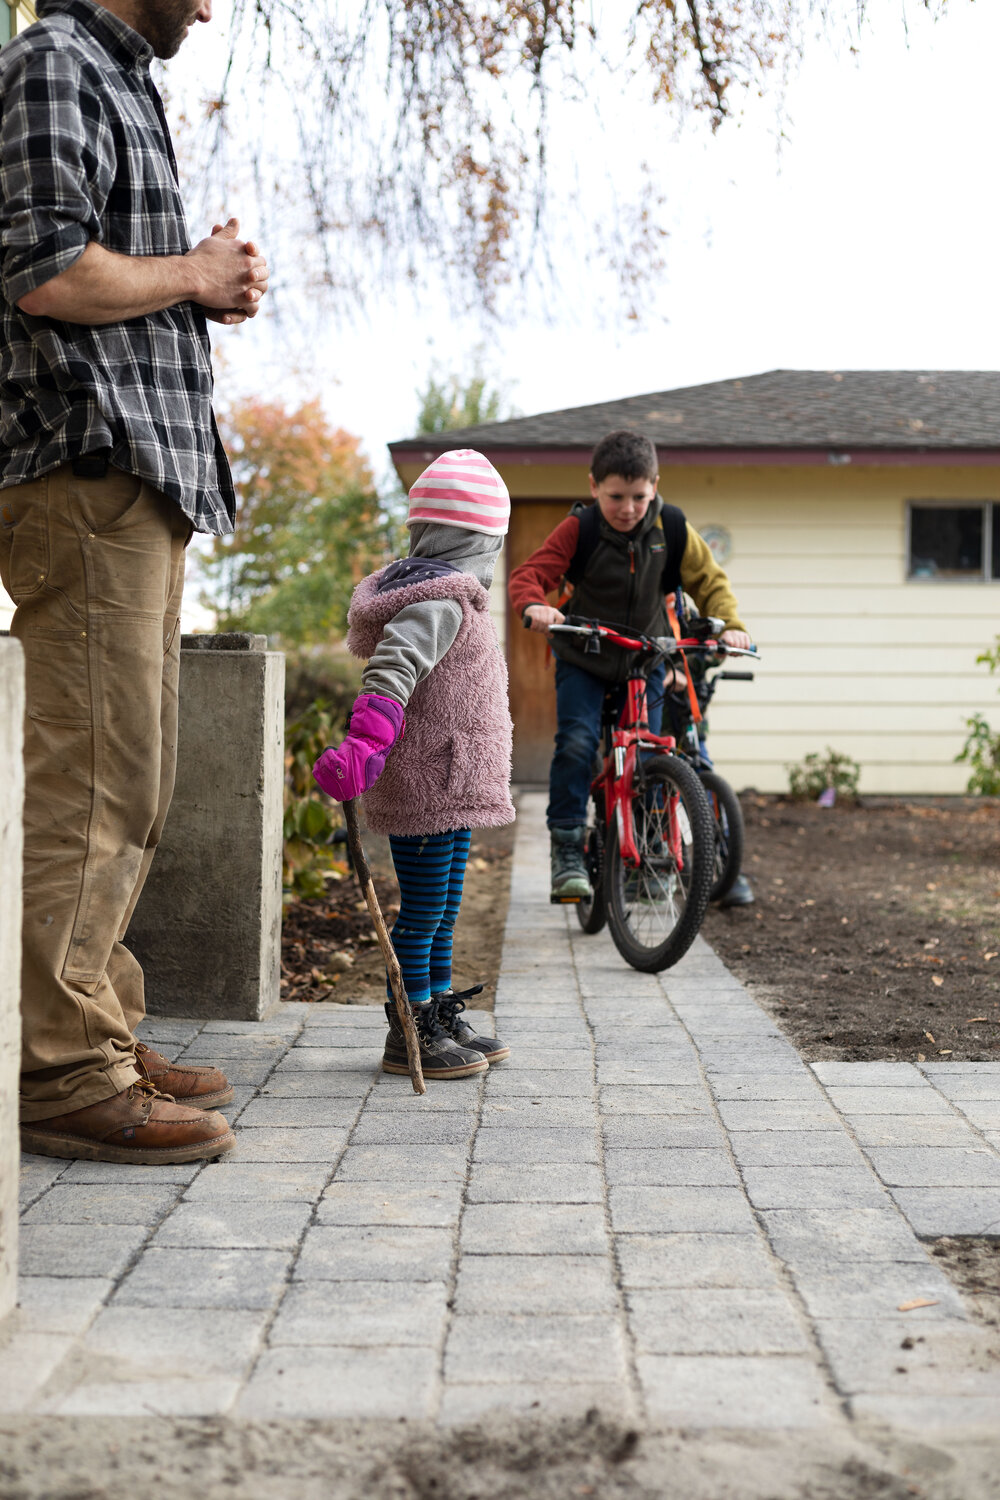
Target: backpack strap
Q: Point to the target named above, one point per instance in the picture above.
(589, 517)
(673, 524)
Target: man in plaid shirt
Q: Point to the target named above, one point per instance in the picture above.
(109, 459)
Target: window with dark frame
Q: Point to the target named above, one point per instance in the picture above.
(956, 543)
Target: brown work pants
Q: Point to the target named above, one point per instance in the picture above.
(95, 568)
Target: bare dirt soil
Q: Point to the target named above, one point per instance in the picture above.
(876, 928)
(329, 953)
(103, 1458)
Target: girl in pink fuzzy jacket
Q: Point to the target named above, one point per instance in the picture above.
(434, 670)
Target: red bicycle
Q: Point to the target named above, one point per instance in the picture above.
(650, 846)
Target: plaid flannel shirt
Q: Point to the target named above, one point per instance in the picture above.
(85, 155)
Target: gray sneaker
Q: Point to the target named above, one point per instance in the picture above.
(570, 881)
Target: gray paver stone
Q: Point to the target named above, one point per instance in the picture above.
(652, 1099)
(430, 1163)
(680, 1209)
(813, 1187)
(784, 1148)
(694, 1260)
(232, 1224)
(513, 1146)
(718, 1390)
(78, 1250)
(936, 1166)
(364, 1314)
(374, 1252)
(79, 1203)
(336, 1114)
(714, 1321)
(436, 1205)
(60, 1304)
(219, 1341)
(911, 1130)
(874, 1293)
(953, 1211)
(742, 1083)
(776, 1116)
(331, 1084)
(644, 1167)
(676, 1132)
(536, 1284)
(905, 1101)
(486, 1348)
(235, 1179)
(534, 1229)
(204, 1278)
(308, 1143)
(814, 1239)
(386, 1383)
(536, 1182)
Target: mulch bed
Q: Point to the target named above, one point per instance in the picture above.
(329, 951)
(876, 931)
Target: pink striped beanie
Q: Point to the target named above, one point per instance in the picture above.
(462, 489)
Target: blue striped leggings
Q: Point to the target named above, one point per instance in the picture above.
(430, 869)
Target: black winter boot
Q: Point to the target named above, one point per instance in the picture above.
(440, 1057)
(450, 1004)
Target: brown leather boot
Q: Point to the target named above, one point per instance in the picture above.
(203, 1088)
(137, 1125)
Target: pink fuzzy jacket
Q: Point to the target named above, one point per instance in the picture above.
(451, 769)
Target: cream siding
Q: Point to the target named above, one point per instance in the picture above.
(852, 654)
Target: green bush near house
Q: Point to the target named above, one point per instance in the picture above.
(311, 820)
(820, 773)
(981, 750)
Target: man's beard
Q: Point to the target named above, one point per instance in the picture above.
(164, 24)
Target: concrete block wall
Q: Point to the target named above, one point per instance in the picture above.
(207, 929)
(11, 802)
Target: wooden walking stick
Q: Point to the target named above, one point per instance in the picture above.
(404, 1010)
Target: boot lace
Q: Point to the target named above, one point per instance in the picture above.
(450, 1005)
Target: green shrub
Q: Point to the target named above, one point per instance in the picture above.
(818, 773)
(321, 673)
(982, 745)
(311, 820)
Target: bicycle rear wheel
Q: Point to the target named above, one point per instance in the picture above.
(655, 911)
(592, 914)
(727, 816)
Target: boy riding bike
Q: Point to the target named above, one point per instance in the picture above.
(623, 555)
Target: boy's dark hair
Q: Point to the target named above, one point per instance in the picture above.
(628, 454)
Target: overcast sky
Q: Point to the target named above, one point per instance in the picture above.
(869, 240)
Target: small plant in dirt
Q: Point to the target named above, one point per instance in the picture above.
(311, 820)
(817, 774)
(981, 750)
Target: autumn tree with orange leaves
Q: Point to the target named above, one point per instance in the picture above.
(309, 525)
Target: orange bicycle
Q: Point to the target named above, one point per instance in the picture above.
(650, 845)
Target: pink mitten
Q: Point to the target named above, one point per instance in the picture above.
(375, 725)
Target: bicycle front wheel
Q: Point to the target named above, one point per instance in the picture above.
(655, 911)
(727, 816)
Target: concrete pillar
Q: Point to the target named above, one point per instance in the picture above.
(11, 806)
(207, 929)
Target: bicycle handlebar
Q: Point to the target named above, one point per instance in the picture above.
(665, 645)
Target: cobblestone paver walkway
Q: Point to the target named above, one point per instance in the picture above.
(655, 1207)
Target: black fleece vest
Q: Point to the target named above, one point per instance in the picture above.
(623, 581)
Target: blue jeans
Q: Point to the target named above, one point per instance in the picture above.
(579, 701)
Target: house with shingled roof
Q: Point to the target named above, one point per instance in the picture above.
(857, 513)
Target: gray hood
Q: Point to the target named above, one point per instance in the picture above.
(474, 552)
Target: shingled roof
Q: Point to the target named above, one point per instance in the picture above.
(790, 409)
